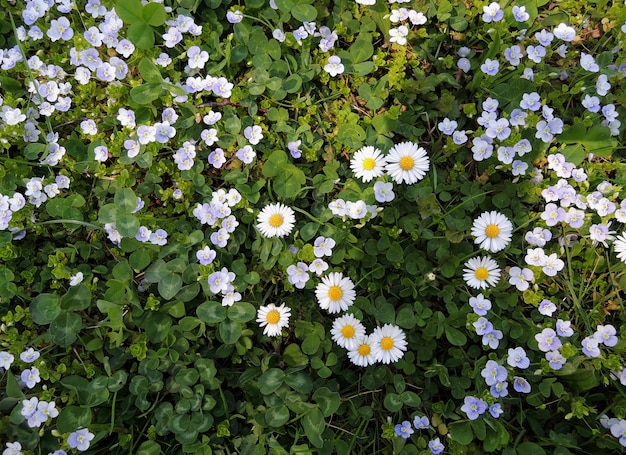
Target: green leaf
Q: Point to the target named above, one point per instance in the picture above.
(230, 331)
(275, 164)
(125, 199)
(44, 308)
(141, 34)
(71, 418)
(277, 416)
(130, 11)
(65, 327)
(327, 400)
(169, 285)
(154, 14)
(455, 336)
(211, 312)
(362, 49)
(241, 312)
(351, 135)
(292, 84)
(13, 388)
(149, 70)
(393, 402)
(157, 271)
(146, 93)
(309, 230)
(127, 225)
(187, 376)
(271, 380)
(530, 448)
(304, 12)
(157, 326)
(148, 448)
(461, 432)
(314, 425)
(77, 298)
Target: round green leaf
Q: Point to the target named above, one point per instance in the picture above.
(393, 402)
(327, 400)
(65, 327)
(146, 93)
(304, 12)
(77, 298)
(271, 380)
(127, 225)
(230, 331)
(242, 312)
(211, 312)
(154, 14)
(71, 418)
(277, 416)
(141, 34)
(125, 199)
(44, 308)
(169, 285)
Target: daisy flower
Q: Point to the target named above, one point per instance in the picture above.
(481, 272)
(335, 293)
(407, 163)
(347, 330)
(619, 245)
(492, 231)
(362, 354)
(388, 343)
(273, 318)
(276, 220)
(368, 163)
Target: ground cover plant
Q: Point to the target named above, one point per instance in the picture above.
(312, 227)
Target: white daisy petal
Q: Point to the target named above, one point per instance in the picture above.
(619, 245)
(346, 331)
(335, 293)
(388, 343)
(481, 272)
(492, 231)
(407, 163)
(276, 220)
(273, 318)
(368, 163)
(362, 354)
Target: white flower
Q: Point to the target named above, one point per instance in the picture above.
(335, 293)
(492, 231)
(346, 331)
(388, 343)
(481, 272)
(619, 245)
(362, 355)
(398, 35)
(276, 220)
(273, 318)
(407, 163)
(334, 66)
(76, 279)
(368, 163)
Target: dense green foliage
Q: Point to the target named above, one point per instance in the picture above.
(145, 355)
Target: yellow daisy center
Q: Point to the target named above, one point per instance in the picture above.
(364, 349)
(369, 164)
(492, 231)
(481, 273)
(386, 343)
(276, 220)
(406, 163)
(347, 331)
(335, 293)
(272, 317)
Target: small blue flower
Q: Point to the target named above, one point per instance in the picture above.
(435, 446)
(404, 429)
(421, 423)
